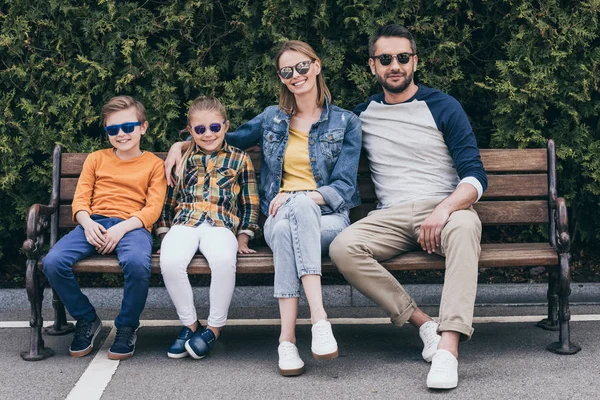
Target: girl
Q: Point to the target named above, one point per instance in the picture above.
(310, 150)
(214, 199)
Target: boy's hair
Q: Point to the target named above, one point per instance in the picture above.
(287, 101)
(202, 103)
(120, 103)
(392, 30)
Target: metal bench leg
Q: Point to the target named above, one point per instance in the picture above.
(564, 345)
(60, 326)
(551, 323)
(35, 294)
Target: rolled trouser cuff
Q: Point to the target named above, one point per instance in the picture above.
(465, 330)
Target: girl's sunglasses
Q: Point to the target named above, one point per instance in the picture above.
(216, 127)
(386, 59)
(302, 68)
(127, 127)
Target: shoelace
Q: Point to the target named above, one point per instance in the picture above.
(124, 334)
(431, 337)
(82, 328)
(442, 364)
(288, 350)
(323, 334)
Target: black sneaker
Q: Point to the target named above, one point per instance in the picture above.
(124, 344)
(85, 334)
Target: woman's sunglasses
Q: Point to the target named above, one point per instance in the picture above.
(216, 127)
(302, 68)
(127, 127)
(386, 59)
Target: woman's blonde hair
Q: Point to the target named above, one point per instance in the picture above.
(202, 103)
(287, 101)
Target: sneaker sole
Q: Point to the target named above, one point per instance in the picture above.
(192, 354)
(291, 372)
(329, 356)
(442, 385)
(175, 355)
(119, 356)
(87, 350)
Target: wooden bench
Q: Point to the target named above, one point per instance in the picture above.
(521, 191)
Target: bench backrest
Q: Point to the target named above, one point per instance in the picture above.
(521, 186)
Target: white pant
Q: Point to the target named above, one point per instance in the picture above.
(219, 247)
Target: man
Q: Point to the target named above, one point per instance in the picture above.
(427, 173)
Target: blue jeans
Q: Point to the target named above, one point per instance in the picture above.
(299, 235)
(135, 256)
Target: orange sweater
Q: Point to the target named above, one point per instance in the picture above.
(119, 188)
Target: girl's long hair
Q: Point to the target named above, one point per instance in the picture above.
(202, 103)
(287, 101)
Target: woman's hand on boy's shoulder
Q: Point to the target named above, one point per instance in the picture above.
(243, 244)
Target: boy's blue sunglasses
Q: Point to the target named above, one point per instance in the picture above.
(127, 127)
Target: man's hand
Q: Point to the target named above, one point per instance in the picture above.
(243, 244)
(430, 234)
(172, 161)
(112, 237)
(94, 233)
(277, 202)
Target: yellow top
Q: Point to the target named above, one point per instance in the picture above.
(113, 187)
(297, 174)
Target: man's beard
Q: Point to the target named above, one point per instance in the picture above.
(399, 88)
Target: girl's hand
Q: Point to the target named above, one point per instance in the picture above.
(113, 236)
(277, 202)
(94, 233)
(243, 244)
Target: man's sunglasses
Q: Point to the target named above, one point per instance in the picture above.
(200, 129)
(302, 68)
(386, 59)
(127, 127)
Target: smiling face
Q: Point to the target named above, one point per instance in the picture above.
(395, 78)
(209, 141)
(300, 85)
(127, 145)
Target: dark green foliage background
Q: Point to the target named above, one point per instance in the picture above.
(525, 71)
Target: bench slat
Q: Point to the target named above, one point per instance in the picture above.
(494, 161)
(490, 212)
(492, 256)
(499, 187)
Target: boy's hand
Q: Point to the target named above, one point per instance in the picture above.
(94, 233)
(161, 236)
(243, 244)
(113, 236)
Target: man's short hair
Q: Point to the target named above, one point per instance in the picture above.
(120, 103)
(392, 30)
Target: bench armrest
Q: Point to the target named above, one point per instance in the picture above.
(38, 220)
(563, 239)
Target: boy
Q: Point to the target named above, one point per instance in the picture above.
(119, 196)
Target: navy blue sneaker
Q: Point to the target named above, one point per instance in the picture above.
(200, 343)
(177, 350)
(85, 334)
(124, 344)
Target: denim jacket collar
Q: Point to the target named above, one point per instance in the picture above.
(283, 116)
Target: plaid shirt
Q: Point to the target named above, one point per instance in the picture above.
(219, 188)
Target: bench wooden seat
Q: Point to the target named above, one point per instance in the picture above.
(521, 191)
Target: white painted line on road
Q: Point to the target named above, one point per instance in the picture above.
(97, 375)
(336, 321)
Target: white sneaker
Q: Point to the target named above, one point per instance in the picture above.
(430, 338)
(324, 346)
(444, 371)
(290, 363)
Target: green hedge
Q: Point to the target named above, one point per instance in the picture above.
(524, 71)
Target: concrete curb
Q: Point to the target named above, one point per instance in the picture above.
(333, 296)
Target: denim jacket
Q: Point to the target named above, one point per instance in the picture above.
(334, 144)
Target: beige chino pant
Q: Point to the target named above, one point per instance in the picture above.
(386, 233)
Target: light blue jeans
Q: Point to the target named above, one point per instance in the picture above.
(299, 235)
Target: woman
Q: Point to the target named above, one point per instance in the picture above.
(310, 152)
